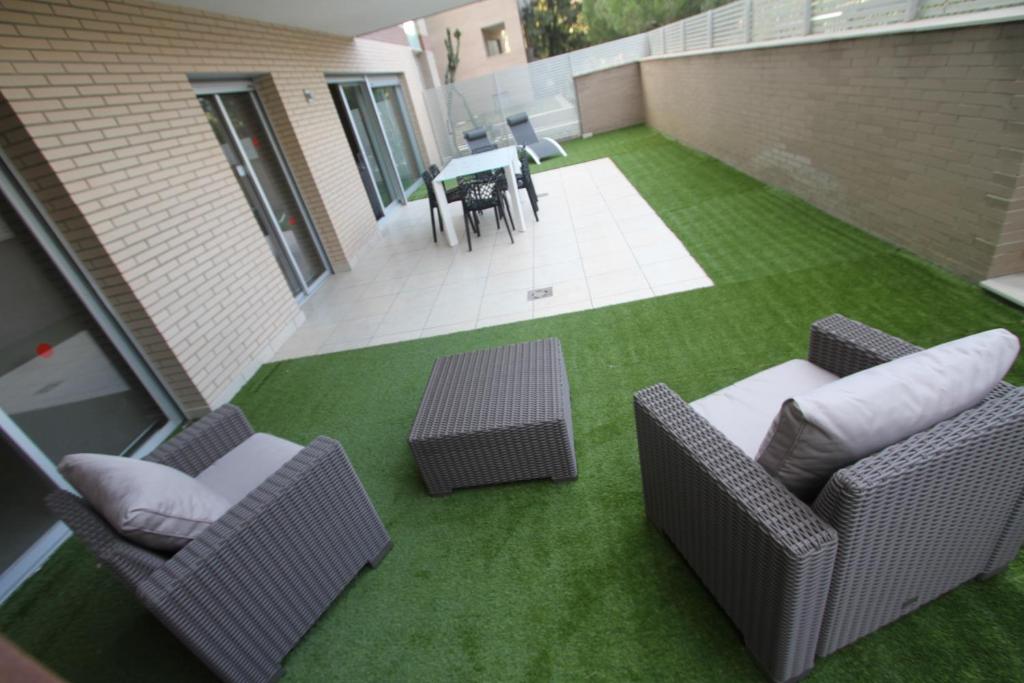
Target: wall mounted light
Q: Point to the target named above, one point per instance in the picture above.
(309, 95)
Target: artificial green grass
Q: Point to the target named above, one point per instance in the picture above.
(539, 581)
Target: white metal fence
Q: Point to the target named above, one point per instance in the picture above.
(756, 21)
(544, 89)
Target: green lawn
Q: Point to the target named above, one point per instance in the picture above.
(541, 581)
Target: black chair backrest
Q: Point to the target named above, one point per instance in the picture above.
(478, 141)
(428, 181)
(477, 194)
(524, 164)
(434, 171)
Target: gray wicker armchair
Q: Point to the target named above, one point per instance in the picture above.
(885, 536)
(243, 593)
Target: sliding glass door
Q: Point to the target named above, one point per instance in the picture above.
(70, 380)
(374, 112)
(373, 147)
(398, 133)
(244, 135)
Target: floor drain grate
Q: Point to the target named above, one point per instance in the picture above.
(542, 293)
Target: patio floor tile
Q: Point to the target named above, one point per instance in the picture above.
(617, 282)
(597, 243)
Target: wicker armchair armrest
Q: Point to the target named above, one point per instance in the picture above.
(244, 592)
(762, 553)
(203, 443)
(843, 346)
(130, 562)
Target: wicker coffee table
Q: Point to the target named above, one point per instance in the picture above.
(493, 416)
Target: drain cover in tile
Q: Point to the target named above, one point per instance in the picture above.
(542, 293)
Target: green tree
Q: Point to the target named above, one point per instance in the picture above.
(553, 27)
(610, 19)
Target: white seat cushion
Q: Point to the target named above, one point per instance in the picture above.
(247, 465)
(821, 431)
(744, 411)
(152, 504)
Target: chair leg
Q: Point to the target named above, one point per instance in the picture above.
(508, 208)
(508, 228)
(433, 227)
(375, 562)
(469, 239)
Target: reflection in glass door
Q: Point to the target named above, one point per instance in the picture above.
(249, 146)
(374, 110)
(397, 133)
(372, 144)
(69, 380)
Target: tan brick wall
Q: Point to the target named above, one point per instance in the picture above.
(132, 172)
(34, 169)
(1009, 251)
(610, 99)
(912, 137)
(471, 20)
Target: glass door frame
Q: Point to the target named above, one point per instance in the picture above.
(396, 83)
(59, 252)
(392, 178)
(390, 174)
(221, 87)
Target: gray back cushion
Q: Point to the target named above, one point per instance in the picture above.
(818, 433)
(151, 504)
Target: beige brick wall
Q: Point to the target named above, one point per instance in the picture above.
(914, 137)
(471, 19)
(1009, 251)
(113, 139)
(610, 99)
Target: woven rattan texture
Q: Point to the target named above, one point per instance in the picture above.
(496, 415)
(762, 553)
(904, 525)
(925, 515)
(243, 593)
(199, 446)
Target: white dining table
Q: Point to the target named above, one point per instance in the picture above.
(506, 158)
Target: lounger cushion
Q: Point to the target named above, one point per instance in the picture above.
(517, 119)
(744, 411)
(247, 465)
(821, 431)
(151, 504)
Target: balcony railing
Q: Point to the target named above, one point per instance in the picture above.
(758, 21)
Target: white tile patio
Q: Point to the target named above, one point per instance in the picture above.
(597, 243)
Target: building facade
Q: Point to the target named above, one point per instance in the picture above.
(492, 37)
(175, 184)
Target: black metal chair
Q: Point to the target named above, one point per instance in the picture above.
(479, 195)
(451, 195)
(524, 181)
(428, 181)
(478, 141)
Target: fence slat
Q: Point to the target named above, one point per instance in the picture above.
(545, 90)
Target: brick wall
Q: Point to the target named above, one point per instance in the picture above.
(610, 99)
(915, 137)
(103, 120)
